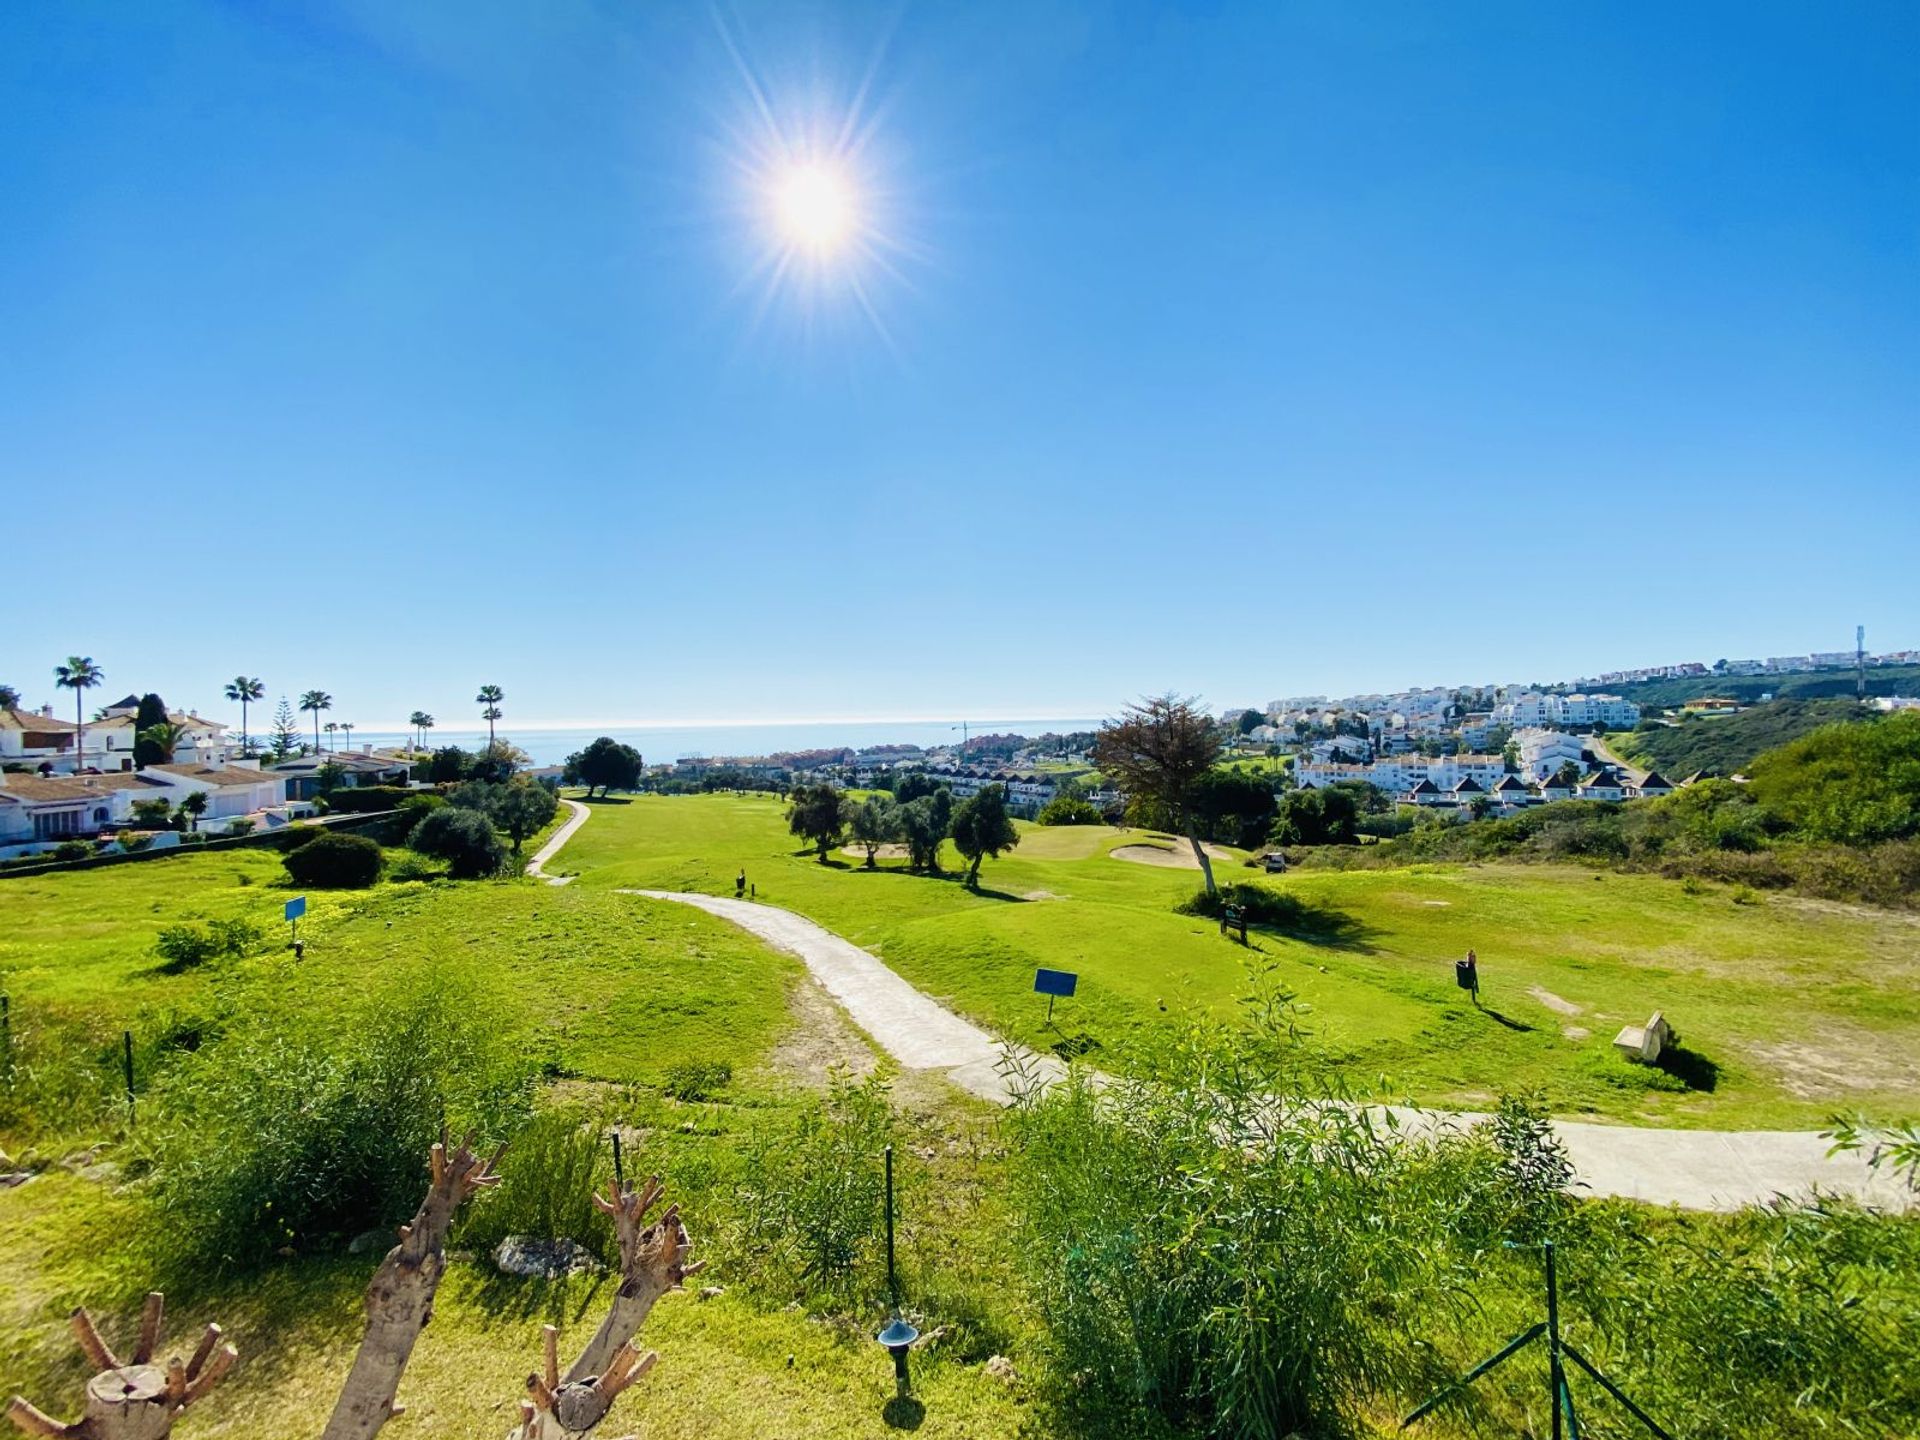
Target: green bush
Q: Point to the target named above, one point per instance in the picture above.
(552, 1167)
(183, 947)
(311, 1129)
(416, 807)
(1069, 810)
(241, 827)
(336, 862)
(814, 1196)
(464, 838)
(300, 834)
(72, 850)
(410, 865)
(367, 799)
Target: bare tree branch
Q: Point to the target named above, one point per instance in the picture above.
(137, 1401)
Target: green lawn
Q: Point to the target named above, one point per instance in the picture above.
(1789, 1010)
(607, 986)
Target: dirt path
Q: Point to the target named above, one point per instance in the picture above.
(1694, 1169)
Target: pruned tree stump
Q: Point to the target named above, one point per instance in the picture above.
(131, 1403)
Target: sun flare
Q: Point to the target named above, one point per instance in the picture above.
(815, 208)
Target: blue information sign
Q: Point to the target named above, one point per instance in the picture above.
(1054, 982)
(297, 907)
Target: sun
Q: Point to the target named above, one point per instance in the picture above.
(815, 208)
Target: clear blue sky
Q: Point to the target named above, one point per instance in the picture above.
(1245, 350)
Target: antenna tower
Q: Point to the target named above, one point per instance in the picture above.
(1860, 662)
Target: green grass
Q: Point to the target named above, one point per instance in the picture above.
(604, 986)
(1792, 1010)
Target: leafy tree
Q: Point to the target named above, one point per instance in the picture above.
(818, 815)
(151, 812)
(316, 701)
(465, 839)
(79, 675)
(245, 690)
(9, 698)
(1233, 807)
(1328, 816)
(875, 822)
(498, 761)
(1250, 721)
(489, 700)
(330, 777)
(1852, 784)
(605, 765)
(449, 764)
(1069, 810)
(1157, 753)
(923, 825)
(148, 715)
(158, 743)
(914, 784)
(285, 738)
(521, 809)
(982, 828)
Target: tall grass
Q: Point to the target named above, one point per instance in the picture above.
(1222, 1246)
(298, 1130)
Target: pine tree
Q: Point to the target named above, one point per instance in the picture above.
(286, 735)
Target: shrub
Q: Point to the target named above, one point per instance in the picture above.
(72, 850)
(464, 839)
(336, 862)
(306, 1131)
(553, 1165)
(698, 1079)
(301, 834)
(185, 946)
(409, 865)
(366, 799)
(241, 827)
(416, 807)
(816, 1198)
(1069, 810)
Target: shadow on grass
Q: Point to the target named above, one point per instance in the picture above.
(947, 877)
(603, 799)
(1690, 1068)
(563, 1301)
(1519, 1025)
(903, 1412)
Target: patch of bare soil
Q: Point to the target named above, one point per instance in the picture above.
(1040, 895)
(821, 1040)
(1575, 1032)
(1829, 1065)
(1553, 1002)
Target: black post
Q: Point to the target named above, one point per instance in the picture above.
(126, 1052)
(619, 1176)
(1556, 1365)
(893, 1287)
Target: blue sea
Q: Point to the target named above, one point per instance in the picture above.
(659, 743)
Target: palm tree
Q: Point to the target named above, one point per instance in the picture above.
(243, 689)
(421, 722)
(332, 730)
(164, 736)
(347, 725)
(316, 701)
(79, 675)
(490, 696)
(9, 698)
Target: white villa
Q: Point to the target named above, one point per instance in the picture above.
(1542, 752)
(1531, 708)
(42, 740)
(39, 810)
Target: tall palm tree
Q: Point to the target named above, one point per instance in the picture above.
(79, 675)
(332, 730)
(166, 736)
(347, 725)
(9, 698)
(316, 701)
(490, 696)
(421, 722)
(243, 689)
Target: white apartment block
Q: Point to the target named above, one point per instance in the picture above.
(1534, 710)
(1402, 773)
(1542, 752)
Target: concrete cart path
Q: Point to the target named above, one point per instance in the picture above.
(537, 867)
(1696, 1169)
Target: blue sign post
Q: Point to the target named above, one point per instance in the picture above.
(296, 907)
(1054, 984)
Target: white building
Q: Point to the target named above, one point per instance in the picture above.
(1532, 709)
(1544, 751)
(1403, 774)
(39, 810)
(41, 739)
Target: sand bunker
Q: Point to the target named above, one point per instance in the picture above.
(882, 852)
(1171, 854)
